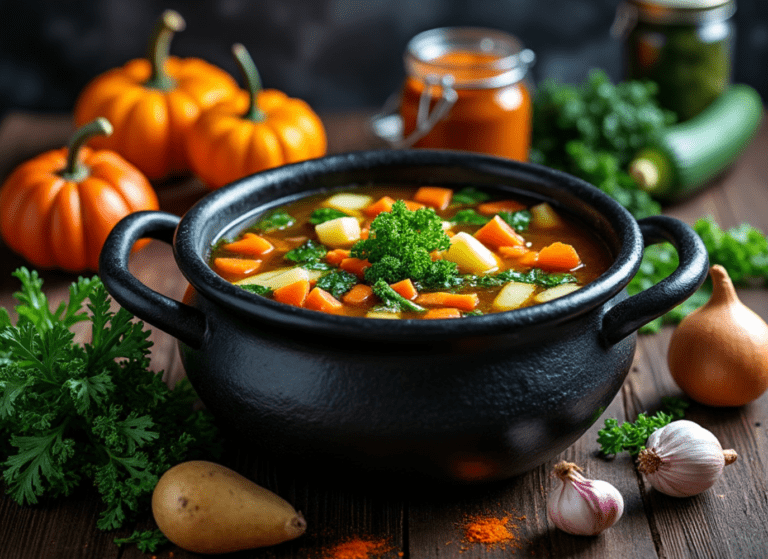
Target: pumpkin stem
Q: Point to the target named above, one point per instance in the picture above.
(75, 171)
(252, 80)
(159, 47)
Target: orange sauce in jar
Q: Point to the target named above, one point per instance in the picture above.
(476, 78)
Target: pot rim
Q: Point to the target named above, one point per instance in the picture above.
(191, 248)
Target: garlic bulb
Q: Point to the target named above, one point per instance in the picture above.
(580, 506)
(683, 459)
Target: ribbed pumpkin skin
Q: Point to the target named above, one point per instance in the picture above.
(57, 223)
(151, 124)
(224, 145)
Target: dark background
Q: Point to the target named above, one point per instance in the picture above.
(338, 55)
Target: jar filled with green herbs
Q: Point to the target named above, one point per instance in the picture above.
(685, 46)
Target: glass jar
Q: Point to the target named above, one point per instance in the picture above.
(685, 46)
(465, 89)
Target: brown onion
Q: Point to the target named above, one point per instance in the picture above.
(718, 354)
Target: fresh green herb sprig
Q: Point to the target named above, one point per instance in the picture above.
(310, 255)
(615, 438)
(535, 276)
(321, 215)
(75, 414)
(146, 541)
(392, 301)
(278, 219)
(399, 245)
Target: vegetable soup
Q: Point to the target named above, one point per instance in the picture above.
(422, 252)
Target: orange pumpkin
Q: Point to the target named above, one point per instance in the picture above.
(153, 102)
(57, 209)
(255, 130)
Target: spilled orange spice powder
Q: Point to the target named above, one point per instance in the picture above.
(490, 530)
(358, 548)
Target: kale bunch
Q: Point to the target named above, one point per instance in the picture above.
(75, 414)
(593, 130)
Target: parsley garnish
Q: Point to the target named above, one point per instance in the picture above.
(337, 282)
(392, 300)
(399, 246)
(535, 276)
(73, 415)
(518, 220)
(469, 196)
(631, 437)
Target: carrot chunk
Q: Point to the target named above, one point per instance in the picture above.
(292, 294)
(334, 257)
(445, 312)
(512, 252)
(434, 196)
(497, 233)
(383, 204)
(529, 258)
(413, 205)
(320, 300)
(250, 244)
(558, 257)
(236, 266)
(498, 206)
(355, 266)
(405, 288)
(463, 301)
(359, 295)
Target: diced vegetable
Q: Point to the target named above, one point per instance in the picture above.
(334, 257)
(236, 266)
(497, 233)
(276, 279)
(359, 295)
(292, 294)
(555, 292)
(544, 216)
(499, 206)
(250, 244)
(383, 204)
(348, 202)
(320, 300)
(356, 266)
(383, 314)
(406, 289)
(470, 255)
(558, 257)
(434, 196)
(513, 295)
(445, 312)
(341, 232)
(512, 252)
(462, 301)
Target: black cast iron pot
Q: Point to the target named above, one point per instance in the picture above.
(472, 399)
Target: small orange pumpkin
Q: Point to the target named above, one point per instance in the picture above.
(57, 209)
(153, 102)
(255, 130)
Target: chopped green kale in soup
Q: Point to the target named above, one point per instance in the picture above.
(403, 253)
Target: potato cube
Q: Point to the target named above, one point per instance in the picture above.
(513, 295)
(348, 202)
(341, 232)
(471, 255)
(383, 315)
(544, 216)
(276, 278)
(555, 292)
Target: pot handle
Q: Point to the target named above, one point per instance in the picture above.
(627, 316)
(182, 321)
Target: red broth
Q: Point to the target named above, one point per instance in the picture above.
(506, 254)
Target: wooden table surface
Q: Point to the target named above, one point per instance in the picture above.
(728, 521)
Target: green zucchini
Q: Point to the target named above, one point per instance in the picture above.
(689, 154)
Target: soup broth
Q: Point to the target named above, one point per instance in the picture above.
(411, 253)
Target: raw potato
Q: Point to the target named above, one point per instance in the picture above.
(341, 232)
(470, 255)
(207, 508)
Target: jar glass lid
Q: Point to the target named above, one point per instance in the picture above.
(472, 57)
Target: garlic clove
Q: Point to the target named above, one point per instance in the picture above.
(581, 506)
(683, 459)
